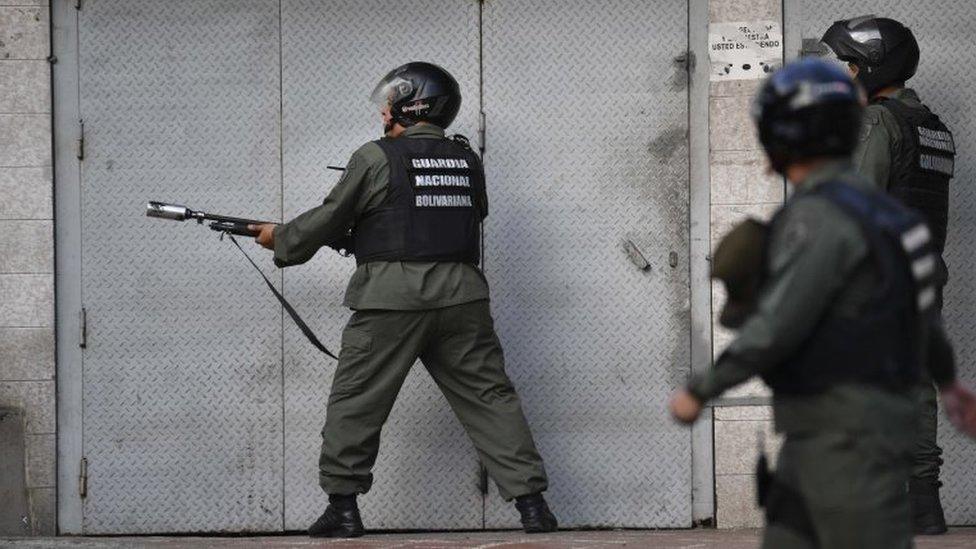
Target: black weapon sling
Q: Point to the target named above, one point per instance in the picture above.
(284, 303)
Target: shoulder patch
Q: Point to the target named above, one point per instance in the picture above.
(795, 234)
(369, 153)
(789, 238)
(865, 131)
(872, 118)
(813, 221)
(873, 114)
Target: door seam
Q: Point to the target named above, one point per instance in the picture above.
(281, 272)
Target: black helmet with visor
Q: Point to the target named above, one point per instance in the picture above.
(419, 92)
(808, 109)
(884, 51)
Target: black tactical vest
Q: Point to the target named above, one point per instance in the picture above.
(433, 208)
(881, 346)
(920, 175)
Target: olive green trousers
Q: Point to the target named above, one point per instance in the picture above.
(928, 456)
(459, 348)
(852, 489)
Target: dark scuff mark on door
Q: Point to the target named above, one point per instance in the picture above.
(669, 141)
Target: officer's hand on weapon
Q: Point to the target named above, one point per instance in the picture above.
(265, 235)
(685, 407)
(960, 405)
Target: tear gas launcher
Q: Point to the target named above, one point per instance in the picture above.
(230, 226)
(220, 223)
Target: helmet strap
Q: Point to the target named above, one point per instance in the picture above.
(402, 120)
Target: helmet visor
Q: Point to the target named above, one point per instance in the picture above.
(864, 29)
(391, 89)
(828, 54)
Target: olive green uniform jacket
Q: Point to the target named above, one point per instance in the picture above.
(437, 312)
(880, 140)
(847, 449)
(879, 144)
(393, 286)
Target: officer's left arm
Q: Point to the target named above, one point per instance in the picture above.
(876, 147)
(811, 256)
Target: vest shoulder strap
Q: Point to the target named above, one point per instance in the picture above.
(923, 125)
(878, 209)
(901, 110)
(879, 214)
(462, 140)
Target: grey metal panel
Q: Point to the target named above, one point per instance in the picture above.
(67, 231)
(944, 80)
(182, 373)
(333, 54)
(588, 146)
(699, 216)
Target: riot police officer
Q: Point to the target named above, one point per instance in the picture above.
(843, 320)
(410, 206)
(905, 149)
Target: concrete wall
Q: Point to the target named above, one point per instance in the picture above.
(740, 187)
(27, 243)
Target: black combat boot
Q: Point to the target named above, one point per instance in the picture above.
(340, 519)
(927, 516)
(536, 516)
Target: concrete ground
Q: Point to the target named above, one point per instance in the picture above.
(656, 539)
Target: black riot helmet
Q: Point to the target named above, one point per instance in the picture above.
(808, 109)
(884, 51)
(419, 92)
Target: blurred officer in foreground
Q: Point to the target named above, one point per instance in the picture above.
(906, 150)
(843, 321)
(409, 206)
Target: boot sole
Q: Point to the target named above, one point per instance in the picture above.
(540, 529)
(339, 534)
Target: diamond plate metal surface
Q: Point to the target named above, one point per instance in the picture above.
(190, 422)
(333, 54)
(587, 147)
(182, 374)
(944, 81)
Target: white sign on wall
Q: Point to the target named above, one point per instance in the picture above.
(744, 51)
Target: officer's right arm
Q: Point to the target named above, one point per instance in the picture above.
(957, 399)
(482, 198)
(298, 240)
(813, 251)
